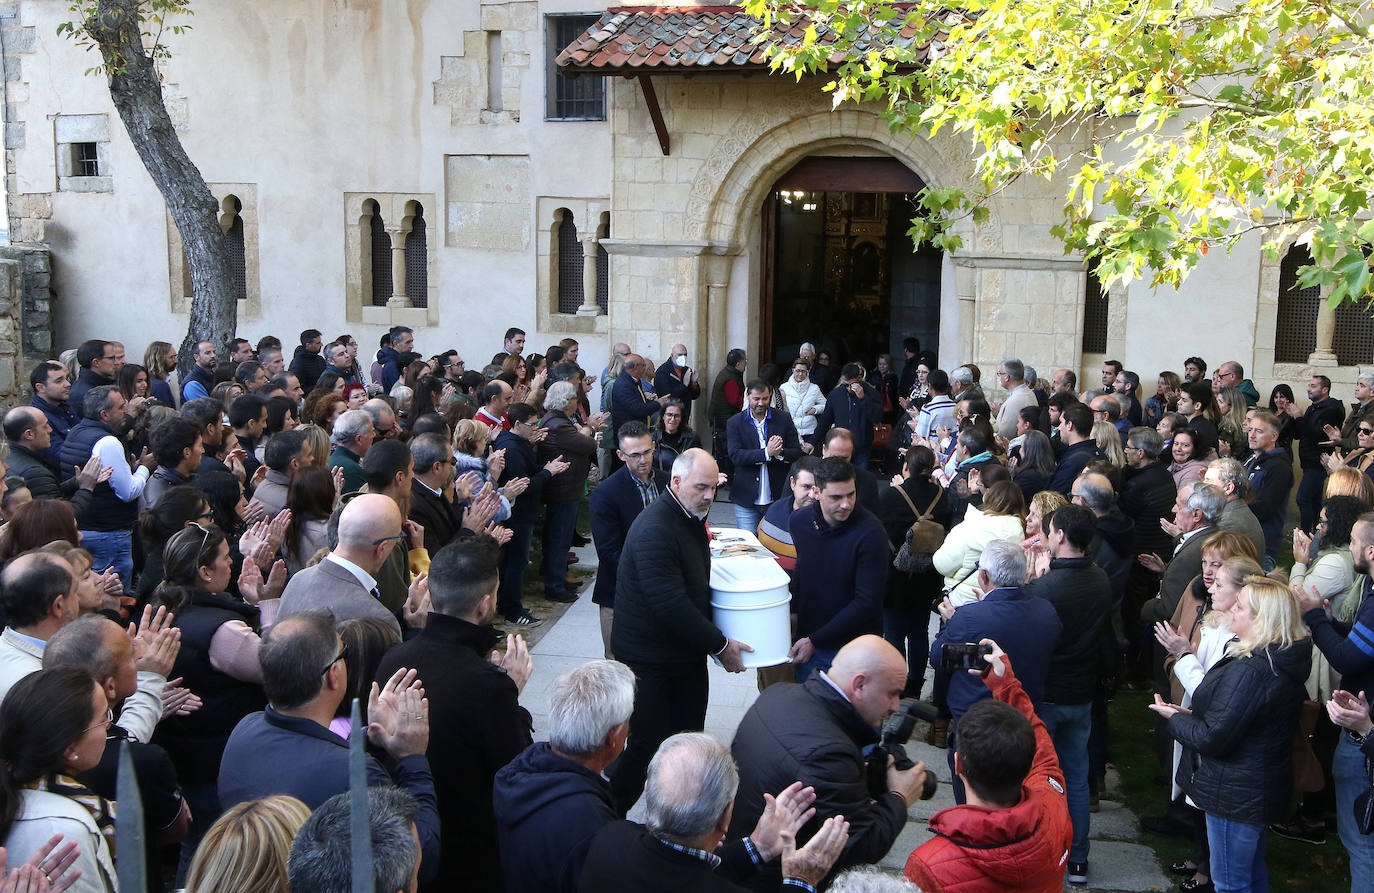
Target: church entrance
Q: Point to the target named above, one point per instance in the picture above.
(839, 268)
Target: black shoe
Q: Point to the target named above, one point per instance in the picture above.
(1165, 825)
(1182, 869)
(580, 540)
(565, 598)
(1077, 874)
(1193, 885)
(526, 620)
(1313, 833)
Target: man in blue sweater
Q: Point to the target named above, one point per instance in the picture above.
(841, 573)
(1350, 650)
(1025, 626)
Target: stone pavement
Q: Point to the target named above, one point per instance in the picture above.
(1118, 861)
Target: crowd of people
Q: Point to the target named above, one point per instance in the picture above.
(208, 570)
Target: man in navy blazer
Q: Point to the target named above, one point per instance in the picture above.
(631, 401)
(763, 444)
(615, 505)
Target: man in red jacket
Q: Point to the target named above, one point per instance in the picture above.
(1014, 832)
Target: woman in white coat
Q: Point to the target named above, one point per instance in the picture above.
(1189, 668)
(804, 399)
(1001, 517)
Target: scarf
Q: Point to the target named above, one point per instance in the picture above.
(101, 810)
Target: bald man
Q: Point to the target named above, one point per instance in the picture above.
(675, 379)
(663, 629)
(344, 582)
(817, 731)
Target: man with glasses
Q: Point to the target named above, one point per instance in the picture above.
(522, 465)
(1361, 412)
(97, 361)
(1232, 375)
(614, 506)
(290, 747)
(429, 506)
(384, 421)
(345, 581)
(1011, 377)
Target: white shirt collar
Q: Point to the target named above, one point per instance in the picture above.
(831, 683)
(363, 576)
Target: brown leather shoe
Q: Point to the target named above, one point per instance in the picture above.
(572, 558)
(939, 733)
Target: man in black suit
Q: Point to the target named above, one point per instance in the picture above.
(477, 724)
(521, 464)
(763, 444)
(663, 626)
(853, 404)
(690, 797)
(615, 505)
(429, 505)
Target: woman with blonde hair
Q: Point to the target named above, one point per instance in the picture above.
(1237, 738)
(1231, 428)
(1042, 505)
(470, 455)
(245, 850)
(1347, 481)
(1000, 517)
(1108, 440)
(160, 359)
(1191, 654)
(319, 445)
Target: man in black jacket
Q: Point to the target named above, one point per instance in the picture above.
(521, 463)
(1147, 495)
(663, 627)
(763, 444)
(614, 507)
(429, 504)
(307, 364)
(52, 388)
(818, 731)
(853, 404)
(478, 724)
(99, 362)
(1271, 480)
(1082, 597)
(30, 435)
(1325, 411)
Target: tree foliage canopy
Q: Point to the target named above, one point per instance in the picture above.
(1180, 125)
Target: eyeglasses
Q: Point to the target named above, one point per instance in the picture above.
(105, 723)
(338, 657)
(386, 539)
(639, 455)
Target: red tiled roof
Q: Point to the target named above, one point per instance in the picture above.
(684, 39)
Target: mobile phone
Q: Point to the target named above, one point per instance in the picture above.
(965, 656)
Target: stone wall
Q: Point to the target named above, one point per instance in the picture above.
(25, 318)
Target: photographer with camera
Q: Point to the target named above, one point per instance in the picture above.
(818, 731)
(1005, 612)
(1014, 832)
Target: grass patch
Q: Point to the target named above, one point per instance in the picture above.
(1292, 865)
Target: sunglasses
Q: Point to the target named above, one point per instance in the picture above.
(203, 529)
(338, 657)
(386, 539)
(1366, 430)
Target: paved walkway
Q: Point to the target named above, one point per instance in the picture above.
(1118, 861)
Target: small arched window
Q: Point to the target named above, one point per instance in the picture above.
(379, 256)
(603, 264)
(569, 262)
(231, 221)
(1295, 333)
(417, 258)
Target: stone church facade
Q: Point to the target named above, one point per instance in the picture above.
(426, 163)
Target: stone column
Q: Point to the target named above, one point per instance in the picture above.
(1326, 330)
(589, 278)
(398, 269)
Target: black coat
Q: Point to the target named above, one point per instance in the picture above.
(565, 440)
(810, 733)
(748, 457)
(625, 858)
(1147, 494)
(1082, 597)
(615, 505)
(41, 477)
(521, 462)
(476, 726)
(844, 410)
(439, 517)
(548, 809)
(1238, 741)
(911, 591)
(1312, 430)
(663, 590)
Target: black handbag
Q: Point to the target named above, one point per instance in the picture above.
(1364, 804)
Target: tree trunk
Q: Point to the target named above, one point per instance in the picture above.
(136, 89)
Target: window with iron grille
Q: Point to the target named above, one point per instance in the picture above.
(381, 259)
(581, 98)
(417, 260)
(1096, 303)
(85, 160)
(238, 257)
(569, 264)
(1295, 331)
(603, 266)
(1353, 340)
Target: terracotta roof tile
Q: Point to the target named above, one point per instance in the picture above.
(664, 39)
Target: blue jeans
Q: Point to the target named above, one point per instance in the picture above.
(515, 555)
(111, 548)
(1238, 855)
(1347, 768)
(1310, 497)
(1069, 725)
(747, 517)
(821, 659)
(560, 522)
(903, 627)
(860, 457)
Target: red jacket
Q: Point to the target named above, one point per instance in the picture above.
(1023, 848)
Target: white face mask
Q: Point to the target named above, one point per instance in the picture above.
(680, 361)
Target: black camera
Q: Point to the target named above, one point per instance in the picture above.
(896, 732)
(964, 656)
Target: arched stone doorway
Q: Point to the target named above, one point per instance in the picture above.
(838, 267)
